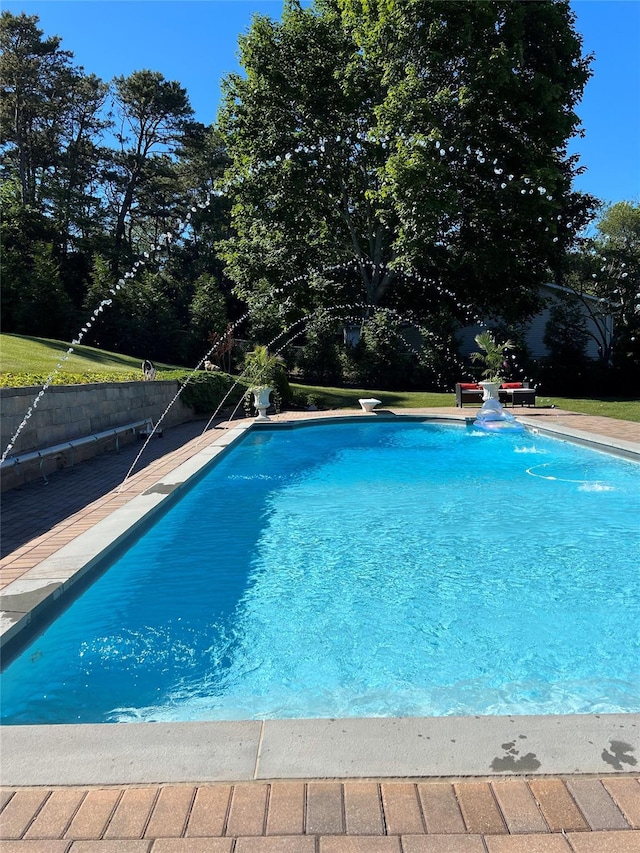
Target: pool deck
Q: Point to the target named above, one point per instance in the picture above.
(434, 785)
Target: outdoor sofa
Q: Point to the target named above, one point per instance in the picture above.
(516, 393)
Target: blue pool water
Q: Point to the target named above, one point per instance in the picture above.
(366, 568)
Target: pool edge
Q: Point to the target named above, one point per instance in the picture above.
(251, 750)
(221, 751)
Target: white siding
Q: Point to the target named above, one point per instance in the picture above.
(535, 329)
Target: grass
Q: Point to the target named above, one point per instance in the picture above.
(347, 398)
(20, 354)
(626, 409)
(27, 360)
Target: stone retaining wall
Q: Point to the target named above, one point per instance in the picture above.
(68, 412)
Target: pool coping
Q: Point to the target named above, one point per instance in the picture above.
(270, 749)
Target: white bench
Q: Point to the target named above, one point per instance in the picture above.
(57, 450)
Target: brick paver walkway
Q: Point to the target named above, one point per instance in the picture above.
(505, 816)
(34, 509)
(541, 815)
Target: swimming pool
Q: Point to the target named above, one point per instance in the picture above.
(361, 569)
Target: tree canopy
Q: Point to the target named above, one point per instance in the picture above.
(395, 148)
(604, 274)
(404, 157)
(95, 175)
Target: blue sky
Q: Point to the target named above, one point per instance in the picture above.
(195, 42)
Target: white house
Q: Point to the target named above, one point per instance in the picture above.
(599, 324)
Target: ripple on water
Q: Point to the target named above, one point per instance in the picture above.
(368, 569)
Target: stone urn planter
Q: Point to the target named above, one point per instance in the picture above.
(491, 356)
(261, 401)
(490, 390)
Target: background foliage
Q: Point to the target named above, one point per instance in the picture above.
(378, 167)
(25, 361)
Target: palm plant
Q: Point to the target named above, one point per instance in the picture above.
(261, 368)
(264, 371)
(491, 355)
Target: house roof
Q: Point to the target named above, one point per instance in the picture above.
(569, 291)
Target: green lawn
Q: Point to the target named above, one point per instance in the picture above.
(29, 361)
(347, 398)
(22, 358)
(626, 409)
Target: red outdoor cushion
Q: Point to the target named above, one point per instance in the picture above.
(469, 386)
(511, 385)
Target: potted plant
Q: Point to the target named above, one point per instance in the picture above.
(491, 356)
(261, 370)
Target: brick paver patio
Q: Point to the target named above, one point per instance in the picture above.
(504, 816)
(541, 815)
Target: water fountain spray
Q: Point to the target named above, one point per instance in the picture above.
(165, 239)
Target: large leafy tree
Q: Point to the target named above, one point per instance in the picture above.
(163, 313)
(408, 142)
(604, 274)
(77, 203)
(33, 297)
(31, 69)
(78, 213)
(50, 119)
(479, 105)
(304, 176)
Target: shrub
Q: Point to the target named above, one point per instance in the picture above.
(204, 392)
(320, 359)
(382, 359)
(23, 380)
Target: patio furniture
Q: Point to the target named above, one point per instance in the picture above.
(517, 393)
(468, 392)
